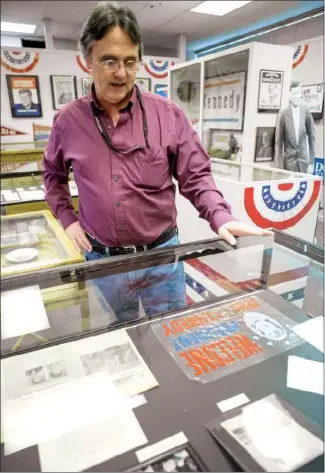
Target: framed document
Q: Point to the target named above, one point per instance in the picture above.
(64, 90)
(143, 83)
(313, 97)
(86, 83)
(24, 96)
(270, 91)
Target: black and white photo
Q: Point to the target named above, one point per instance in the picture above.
(86, 83)
(270, 91)
(64, 90)
(144, 84)
(265, 143)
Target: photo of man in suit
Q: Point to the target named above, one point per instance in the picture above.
(264, 150)
(295, 124)
(26, 105)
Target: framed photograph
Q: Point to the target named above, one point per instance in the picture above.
(144, 84)
(64, 90)
(224, 101)
(313, 97)
(224, 144)
(86, 83)
(270, 91)
(161, 89)
(182, 458)
(265, 143)
(24, 96)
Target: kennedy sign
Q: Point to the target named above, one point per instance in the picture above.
(224, 101)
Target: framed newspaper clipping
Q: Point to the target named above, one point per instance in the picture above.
(313, 97)
(270, 91)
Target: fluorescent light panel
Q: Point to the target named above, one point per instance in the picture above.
(219, 8)
(7, 27)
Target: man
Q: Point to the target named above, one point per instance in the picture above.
(266, 150)
(295, 123)
(27, 106)
(233, 144)
(124, 146)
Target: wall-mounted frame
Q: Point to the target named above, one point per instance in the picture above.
(270, 91)
(64, 90)
(265, 144)
(144, 84)
(24, 96)
(313, 97)
(161, 89)
(86, 83)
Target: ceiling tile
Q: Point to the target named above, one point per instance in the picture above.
(186, 22)
(178, 5)
(152, 17)
(17, 12)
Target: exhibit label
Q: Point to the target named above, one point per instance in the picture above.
(313, 97)
(213, 343)
(224, 101)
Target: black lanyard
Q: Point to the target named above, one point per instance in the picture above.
(106, 138)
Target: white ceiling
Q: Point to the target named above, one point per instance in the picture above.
(160, 21)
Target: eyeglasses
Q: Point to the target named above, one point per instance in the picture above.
(112, 65)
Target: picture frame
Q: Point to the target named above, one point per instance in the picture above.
(86, 83)
(64, 90)
(313, 97)
(24, 96)
(270, 91)
(264, 144)
(144, 84)
(161, 89)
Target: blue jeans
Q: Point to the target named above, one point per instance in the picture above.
(160, 288)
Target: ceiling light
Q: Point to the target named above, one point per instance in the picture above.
(7, 27)
(218, 8)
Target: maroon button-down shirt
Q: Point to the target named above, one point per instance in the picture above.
(129, 199)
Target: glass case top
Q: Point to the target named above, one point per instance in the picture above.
(241, 172)
(32, 241)
(24, 146)
(94, 296)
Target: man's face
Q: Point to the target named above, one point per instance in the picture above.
(113, 87)
(64, 89)
(295, 96)
(273, 90)
(268, 329)
(25, 99)
(265, 139)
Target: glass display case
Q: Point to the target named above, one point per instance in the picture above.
(33, 241)
(24, 192)
(200, 330)
(21, 156)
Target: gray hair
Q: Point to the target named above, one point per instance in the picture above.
(104, 17)
(294, 84)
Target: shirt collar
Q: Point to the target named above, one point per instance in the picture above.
(93, 99)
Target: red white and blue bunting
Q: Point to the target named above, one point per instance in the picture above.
(158, 69)
(299, 54)
(19, 61)
(280, 206)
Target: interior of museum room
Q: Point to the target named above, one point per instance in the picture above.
(162, 235)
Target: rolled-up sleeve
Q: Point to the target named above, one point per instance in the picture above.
(55, 175)
(193, 172)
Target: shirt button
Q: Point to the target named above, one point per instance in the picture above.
(121, 229)
(118, 204)
(116, 178)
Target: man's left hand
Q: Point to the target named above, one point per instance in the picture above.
(230, 230)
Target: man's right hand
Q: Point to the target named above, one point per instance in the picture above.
(78, 237)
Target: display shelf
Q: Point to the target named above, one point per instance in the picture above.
(37, 230)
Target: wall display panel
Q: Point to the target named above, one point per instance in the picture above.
(270, 91)
(86, 83)
(185, 91)
(24, 96)
(64, 90)
(143, 83)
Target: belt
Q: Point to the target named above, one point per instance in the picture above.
(125, 250)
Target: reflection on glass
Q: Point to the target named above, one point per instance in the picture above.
(152, 286)
(223, 105)
(185, 91)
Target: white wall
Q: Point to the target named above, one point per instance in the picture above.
(51, 62)
(10, 40)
